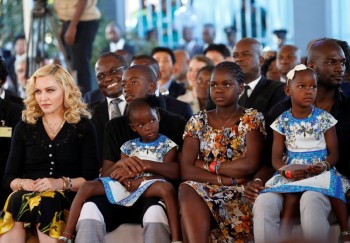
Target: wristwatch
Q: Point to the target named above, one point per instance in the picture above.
(65, 239)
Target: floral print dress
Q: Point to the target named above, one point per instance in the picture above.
(305, 144)
(227, 204)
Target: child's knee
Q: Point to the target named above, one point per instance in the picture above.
(166, 189)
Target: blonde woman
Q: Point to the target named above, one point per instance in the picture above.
(53, 152)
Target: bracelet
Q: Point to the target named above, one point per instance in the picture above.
(323, 164)
(217, 167)
(258, 179)
(63, 184)
(67, 183)
(212, 166)
(234, 182)
(288, 174)
(70, 185)
(20, 185)
(206, 165)
(219, 179)
(17, 184)
(283, 173)
(328, 165)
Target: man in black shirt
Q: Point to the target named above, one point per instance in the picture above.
(99, 215)
(327, 58)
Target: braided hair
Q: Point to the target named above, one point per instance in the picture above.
(231, 68)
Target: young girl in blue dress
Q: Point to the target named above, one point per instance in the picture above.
(306, 135)
(144, 119)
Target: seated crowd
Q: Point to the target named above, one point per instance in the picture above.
(212, 148)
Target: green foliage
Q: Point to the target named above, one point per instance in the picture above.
(11, 20)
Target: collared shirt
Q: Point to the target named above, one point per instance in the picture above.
(165, 86)
(252, 85)
(117, 46)
(121, 105)
(283, 80)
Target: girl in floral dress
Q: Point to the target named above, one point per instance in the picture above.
(144, 119)
(305, 135)
(222, 149)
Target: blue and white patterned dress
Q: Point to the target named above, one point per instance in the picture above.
(154, 151)
(305, 144)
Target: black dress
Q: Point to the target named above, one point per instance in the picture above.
(72, 153)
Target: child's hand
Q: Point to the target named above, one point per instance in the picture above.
(120, 174)
(315, 169)
(295, 174)
(133, 164)
(134, 184)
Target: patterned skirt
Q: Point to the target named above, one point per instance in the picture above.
(231, 211)
(47, 209)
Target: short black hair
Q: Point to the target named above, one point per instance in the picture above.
(120, 58)
(231, 68)
(221, 48)
(164, 49)
(145, 68)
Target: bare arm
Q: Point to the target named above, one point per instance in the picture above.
(277, 150)
(332, 146)
(169, 169)
(249, 164)
(72, 29)
(189, 170)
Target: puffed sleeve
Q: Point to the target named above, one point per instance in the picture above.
(326, 121)
(194, 125)
(279, 125)
(253, 120)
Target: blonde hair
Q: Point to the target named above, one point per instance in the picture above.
(74, 107)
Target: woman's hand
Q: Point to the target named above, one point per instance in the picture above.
(47, 184)
(28, 185)
(252, 189)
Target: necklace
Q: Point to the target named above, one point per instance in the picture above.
(53, 127)
(228, 120)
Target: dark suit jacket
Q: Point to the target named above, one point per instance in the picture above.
(100, 117)
(175, 106)
(13, 98)
(94, 96)
(265, 95)
(10, 113)
(176, 89)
